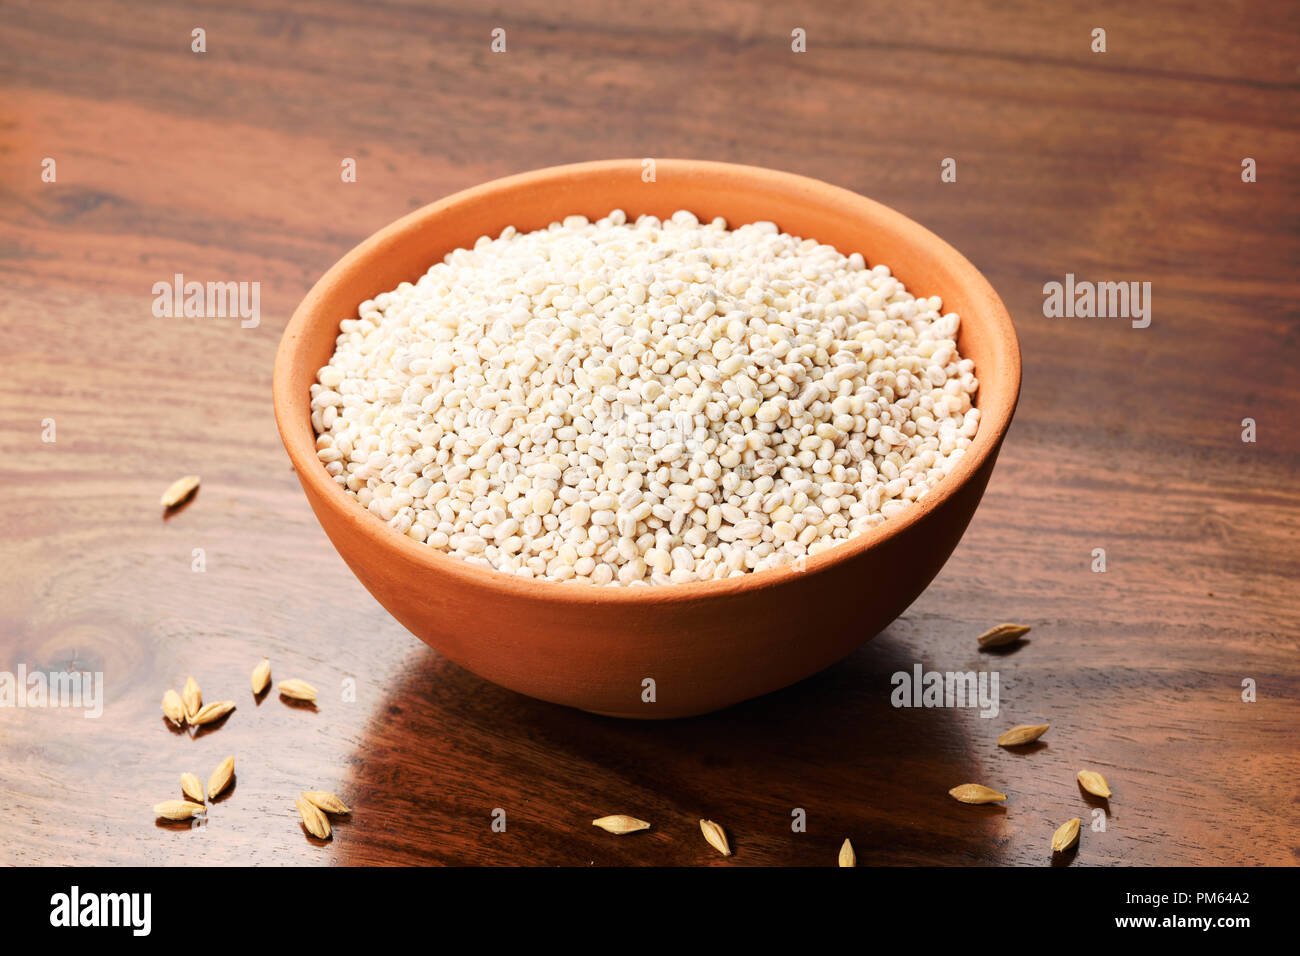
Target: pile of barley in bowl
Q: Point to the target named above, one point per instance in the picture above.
(656, 402)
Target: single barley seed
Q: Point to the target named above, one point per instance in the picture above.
(1066, 835)
(976, 793)
(297, 689)
(1094, 783)
(173, 707)
(191, 697)
(178, 809)
(192, 787)
(261, 676)
(1002, 634)
(210, 713)
(220, 778)
(716, 837)
(620, 823)
(1021, 735)
(179, 490)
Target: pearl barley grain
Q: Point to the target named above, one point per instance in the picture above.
(655, 402)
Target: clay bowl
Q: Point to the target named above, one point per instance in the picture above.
(706, 645)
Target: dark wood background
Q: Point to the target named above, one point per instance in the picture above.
(226, 166)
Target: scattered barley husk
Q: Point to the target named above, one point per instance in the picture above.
(620, 823)
(313, 819)
(261, 676)
(1094, 783)
(1066, 835)
(192, 787)
(178, 809)
(210, 712)
(326, 801)
(179, 490)
(191, 697)
(173, 707)
(716, 836)
(220, 778)
(1003, 634)
(1023, 734)
(297, 689)
(976, 793)
(847, 856)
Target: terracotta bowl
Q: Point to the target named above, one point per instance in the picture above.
(704, 645)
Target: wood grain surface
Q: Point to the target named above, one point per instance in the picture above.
(225, 166)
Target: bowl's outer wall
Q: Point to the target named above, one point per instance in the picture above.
(704, 647)
(703, 653)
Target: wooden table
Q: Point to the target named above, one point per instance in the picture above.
(225, 166)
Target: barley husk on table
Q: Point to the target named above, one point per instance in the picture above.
(716, 836)
(179, 490)
(173, 707)
(326, 801)
(296, 689)
(220, 778)
(313, 819)
(1023, 734)
(1094, 783)
(1066, 835)
(620, 823)
(209, 713)
(976, 793)
(191, 697)
(261, 676)
(1003, 634)
(178, 809)
(192, 787)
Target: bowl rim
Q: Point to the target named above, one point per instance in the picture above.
(299, 438)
